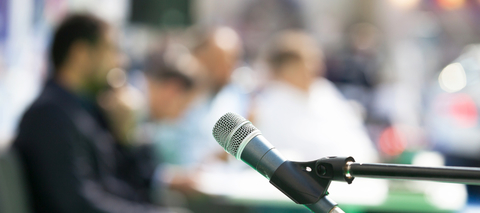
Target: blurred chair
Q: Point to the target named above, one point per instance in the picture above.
(13, 190)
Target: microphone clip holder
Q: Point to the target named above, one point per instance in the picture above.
(307, 182)
(334, 168)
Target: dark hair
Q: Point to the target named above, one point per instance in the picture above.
(74, 28)
(286, 47)
(279, 58)
(162, 66)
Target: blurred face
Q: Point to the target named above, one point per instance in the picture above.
(168, 99)
(311, 57)
(219, 63)
(302, 72)
(103, 57)
(220, 56)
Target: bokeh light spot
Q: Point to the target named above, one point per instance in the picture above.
(405, 4)
(226, 38)
(464, 111)
(451, 4)
(116, 78)
(452, 78)
(392, 142)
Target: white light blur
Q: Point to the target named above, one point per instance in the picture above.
(428, 158)
(226, 38)
(246, 78)
(116, 78)
(453, 78)
(447, 195)
(405, 4)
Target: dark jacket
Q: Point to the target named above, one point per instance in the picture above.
(74, 164)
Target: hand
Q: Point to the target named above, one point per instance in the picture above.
(120, 106)
(185, 184)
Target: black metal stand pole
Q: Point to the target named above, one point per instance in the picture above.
(464, 175)
(346, 170)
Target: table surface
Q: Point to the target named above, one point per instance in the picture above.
(247, 187)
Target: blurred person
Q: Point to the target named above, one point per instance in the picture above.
(355, 69)
(217, 51)
(173, 83)
(74, 162)
(259, 20)
(303, 113)
(358, 63)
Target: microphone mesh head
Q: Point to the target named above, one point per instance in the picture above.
(225, 125)
(230, 131)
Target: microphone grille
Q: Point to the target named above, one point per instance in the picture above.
(231, 130)
(225, 125)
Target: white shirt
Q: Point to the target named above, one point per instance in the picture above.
(309, 126)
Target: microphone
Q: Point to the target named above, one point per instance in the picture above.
(241, 139)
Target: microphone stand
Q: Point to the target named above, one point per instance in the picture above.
(345, 169)
(463, 175)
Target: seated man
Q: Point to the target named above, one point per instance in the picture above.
(74, 163)
(303, 113)
(171, 88)
(217, 51)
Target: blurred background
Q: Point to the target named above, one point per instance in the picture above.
(401, 77)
